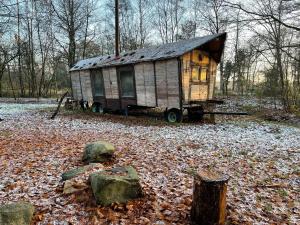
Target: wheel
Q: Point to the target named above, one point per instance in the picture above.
(68, 105)
(97, 108)
(195, 114)
(125, 111)
(173, 116)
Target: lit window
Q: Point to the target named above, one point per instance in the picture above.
(199, 73)
(203, 74)
(195, 73)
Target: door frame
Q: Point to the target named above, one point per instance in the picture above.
(126, 101)
(98, 99)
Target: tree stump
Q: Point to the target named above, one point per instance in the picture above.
(209, 198)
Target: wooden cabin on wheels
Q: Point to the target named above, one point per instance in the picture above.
(174, 77)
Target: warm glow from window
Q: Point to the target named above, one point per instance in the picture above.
(203, 74)
(199, 73)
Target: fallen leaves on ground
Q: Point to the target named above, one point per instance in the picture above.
(262, 160)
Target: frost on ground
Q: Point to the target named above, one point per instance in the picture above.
(7, 110)
(261, 158)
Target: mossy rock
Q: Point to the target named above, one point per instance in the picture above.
(72, 186)
(16, 213)
(117, 185)
(74, 172)
(99, 151)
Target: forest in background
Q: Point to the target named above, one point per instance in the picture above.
(41, 39)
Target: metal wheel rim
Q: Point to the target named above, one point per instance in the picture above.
(94, 109)
(172, 117)
(101, 111)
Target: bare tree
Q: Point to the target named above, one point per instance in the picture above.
(18, 40)
(275, 39)
(144, 12)
(5, 59)
(214, 18)
(212, 15)
(265, 11)
(71, 17)
(168, 15)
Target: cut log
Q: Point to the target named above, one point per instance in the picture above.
(209, 198)
(59, 104)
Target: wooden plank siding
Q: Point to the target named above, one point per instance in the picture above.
(76, 85)
(110, 83)
(86, 85)
(145, 84)
(197, 91)
(186, 76)
(167, 83)
(156, 83)
(212, 82)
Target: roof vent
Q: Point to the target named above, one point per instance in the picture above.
(169, 52)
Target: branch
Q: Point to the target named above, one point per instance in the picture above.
(267, 16)
(59, 104)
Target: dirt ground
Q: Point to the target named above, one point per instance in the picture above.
(262, 159)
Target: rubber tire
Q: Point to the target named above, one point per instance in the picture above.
(97, 108)
(195, 115)
(173, 116)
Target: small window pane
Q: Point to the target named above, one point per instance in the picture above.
(203, 74)
(98, 84)
(127, 84)
(199, 74)
(195, 73)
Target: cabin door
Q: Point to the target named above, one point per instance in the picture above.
(195, 81)
(127, 90)
(98, 90)
(199, 82)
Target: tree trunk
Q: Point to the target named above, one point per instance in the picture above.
(71, 30)
(86, 30)
(1, 76)
(209, 198)
(10, 81)
(22, 89)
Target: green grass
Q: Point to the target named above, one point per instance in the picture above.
(282, 193)
(268, 207)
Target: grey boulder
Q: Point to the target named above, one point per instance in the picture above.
(117, 185)
(20, 213)
(99, 151)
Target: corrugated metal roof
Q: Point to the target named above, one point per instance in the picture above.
(170, 50)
